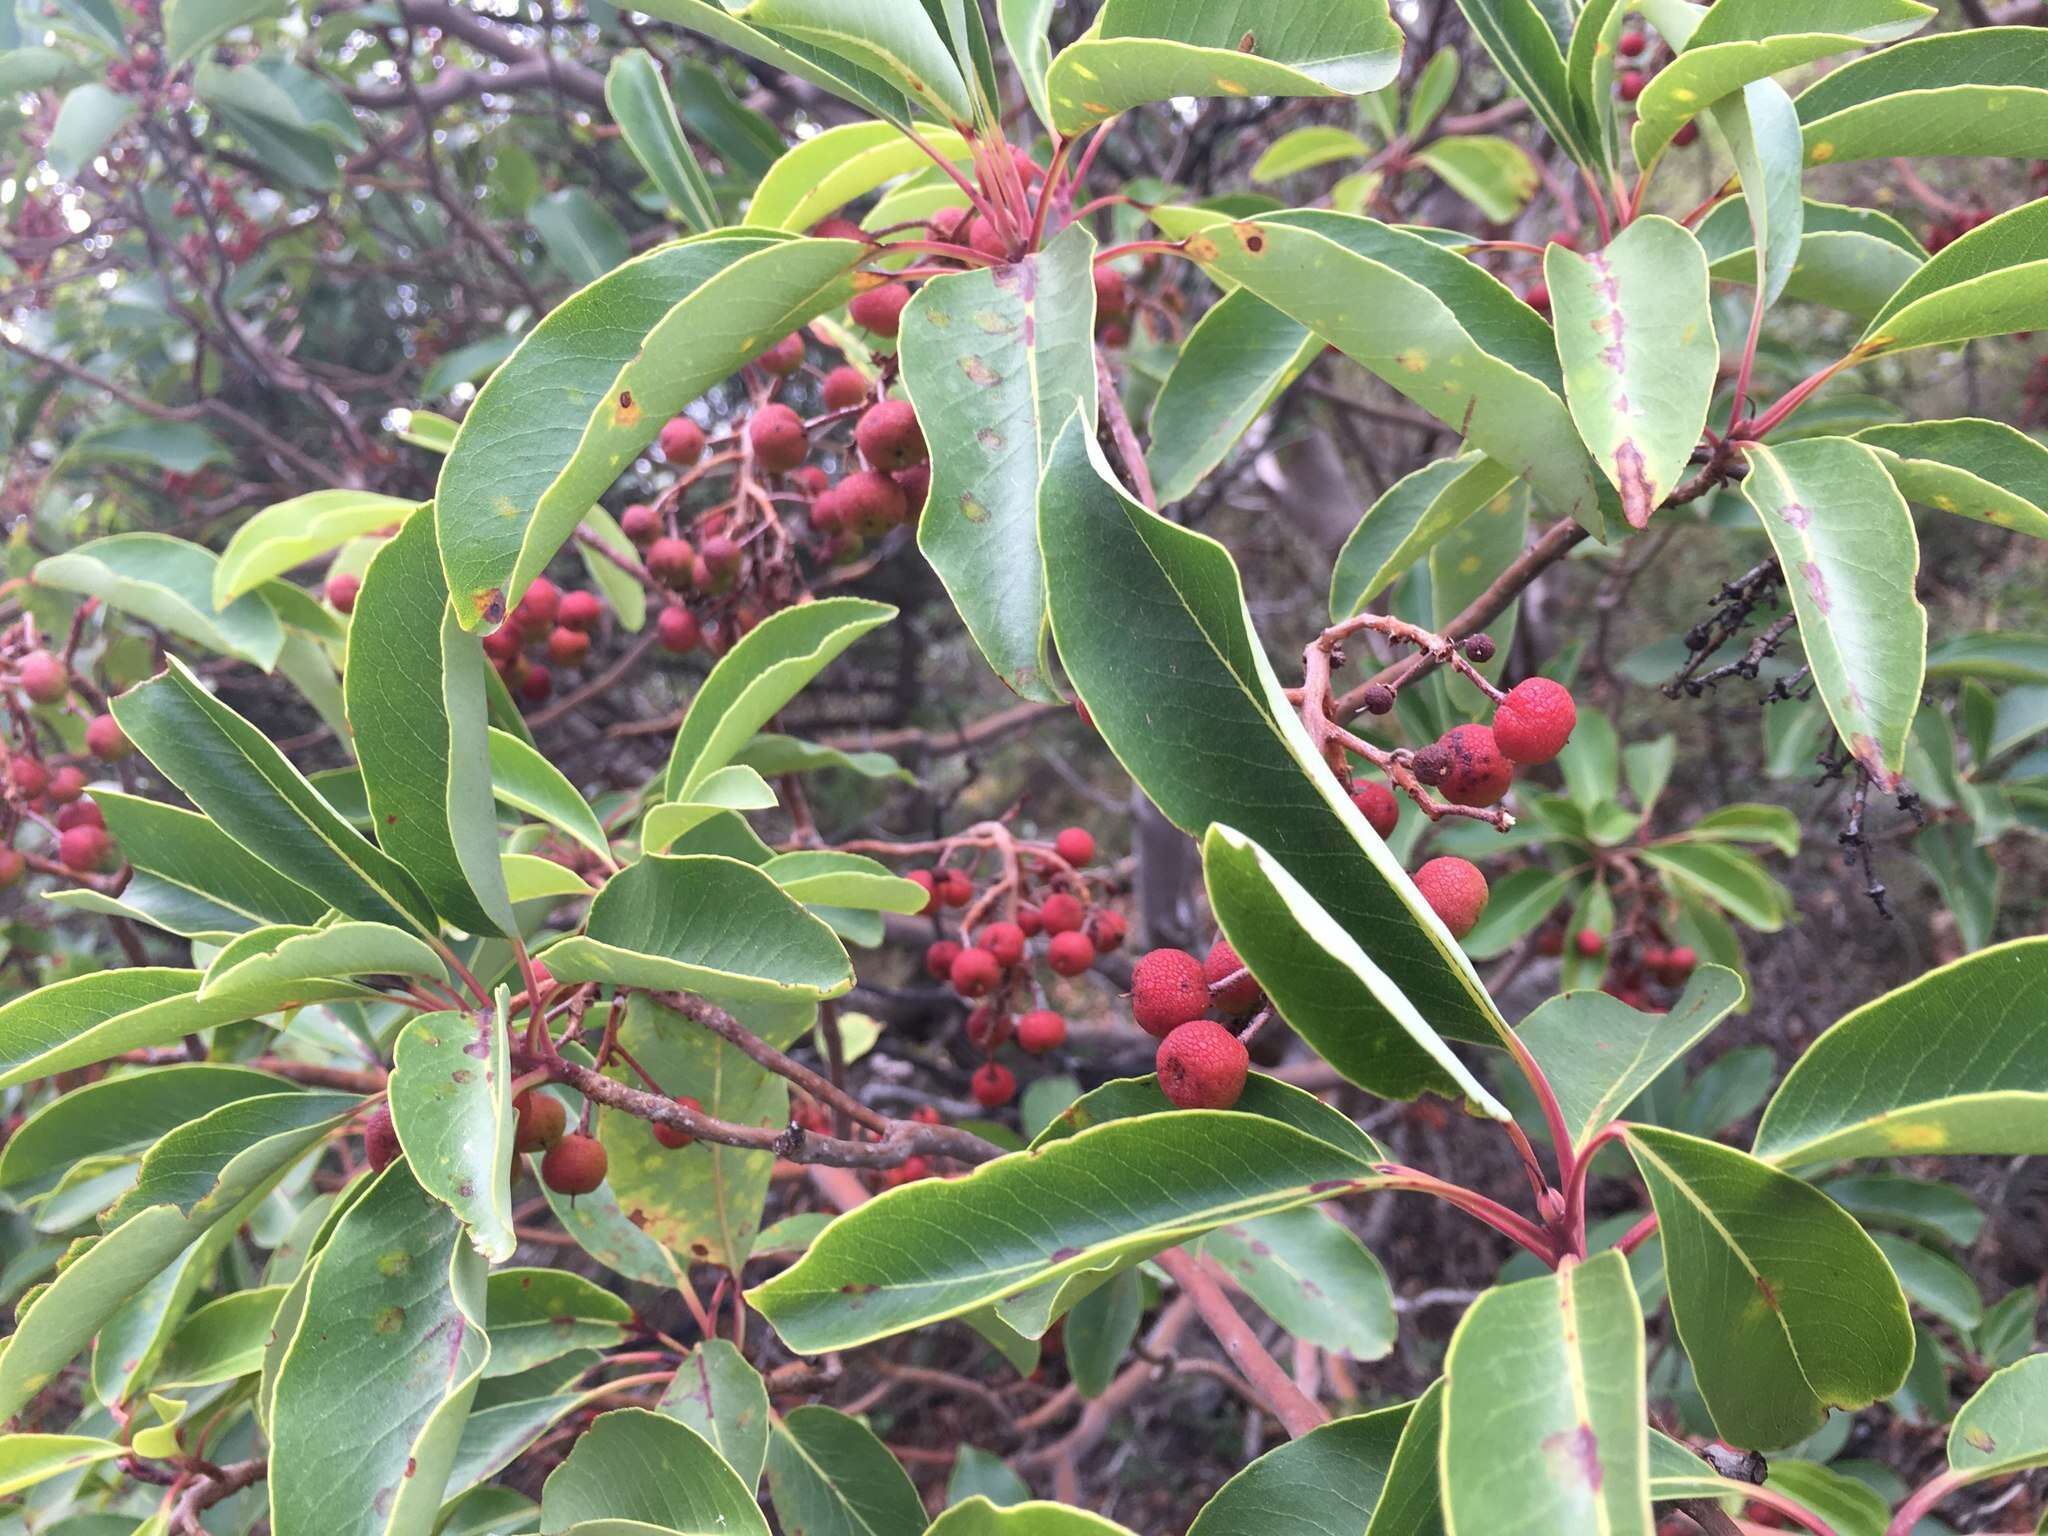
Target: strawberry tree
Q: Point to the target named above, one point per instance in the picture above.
(455, 1141)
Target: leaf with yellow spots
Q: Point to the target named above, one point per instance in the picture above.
(1976, 91)
(1991, 282)
(2003, 1428)
(1784, 1305)
(1974, 468)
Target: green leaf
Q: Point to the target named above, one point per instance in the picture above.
(2001, 1428)
(1097, 1334)
(1974, 468)
(1335, 1477)
(977, 1474)
(232, 773)
(1312, 1276)
(591, 385)
(621, 589)
(1525, 46)
(632, 1465)
(1739, 41)
(169, 583)
(1845, 538)
(770, 665)
(705, 924)
(639, 103)
(294, 120)
(1543, 1407)
(1515, 905)
(1997, 656)
(1121, 1190)
(189, 25)
(1762, 133)
(1956, 1069)
(824, 877)
(182, 446)
(1785, 1306)
(1925, 1207)
(1590, 59)
(1749, 823)
(728, 789)
(829, 1476)
(977, 1516)
(208, 1164)
(221, 1341)
(719, 1395)
(1303, 149)
(538, 1315)
(1323, 982)
(1976, 91)
(290, 533)
(996, 361)
(1434, 88)
(188, 851)
(26, 1460)
(1493, 174)
(1988, 283)
(451, 1102)
(1599, 1053)
(1933, 1282)
(769, 754)
(87, 119)
(802, 58)
(123, 1113)
(579, 232)
(1153, 632)
(1635, 331)
(255, 967)
(1024, 25)
(1851, 259)
(528, 782)
(416, 712)
(821, 174)
(377, 1381)
(1124, 1097)
(1411, 518)
(1728, 877)
(1239, 358)
(1140, 51)
(1426, 321)
(895, 39)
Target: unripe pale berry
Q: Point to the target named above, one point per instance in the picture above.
(1377, 804)
(674, 1137)
(669, 561)
(83, 850)
(575, 1165)
(993, 1085)
(539, 1121)
(1533, 723)
(939, 958)
(845, 386)
(682, 441)
(776, 434)
(1061, 913)
(879, 309)
(380, 1139)
(44, 678)
(1003, 940)
(105, 739)
(889, 437)
(342, 588)
(1041, 1030)
(1070, 953)
(1167, 989)
(1479, 772)
(975, 972)
(640, 523)
(567, 647)
(1075, 844)
(580, 610)
(676, 629)
(1202, 1065)
(1455, 890)
(67, 784)
(785, 357)
(1222, 965)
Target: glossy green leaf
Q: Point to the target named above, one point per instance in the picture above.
(375, 1385)
(770, 754)
(1332, 1478)
(1122, 1098)
(1526, 47)
(1303, 149)
(26, 1460)
(1410, 519)
(1590, 61)
(1515, 905)
(978, 1474)
(703, 924)
(538, 1315)
(252, 968)
(1324, 983)
(1599, 1053)
(1493, 174)
(639, 103)
(1232, 366)
(1097, 1334)
(579, 233)
(978, 1516)
(122, 1113)
(207, 1164)
(632, 1465)
(719, 1395)
(1749, 823)
(186, 850)
(1851, 259)
(769, 666)
(1543, 1408)
(1974, 91)
(1730, 878)
(1636, 335)
(2003, 1428)
(1845, 539)
(731, 788)
(1785, 1307)
(1312, 1276)
(802, 58)
(221, 1341)
(604, 371)
(1426, 321)
(231, 772)
(825, 877)
(821, 174)
(829, 1476)
(290, 533)
(169, 583)
(1125, 1189)
(1434, 87)
(1153, 633)
(996, 361)
(1990, 282)
(1974, 468)
(451, 1101)
(1140, 51)
(1933, 1282)
(1924, 1207)
(1946, 1064)
(899, 42)
(526, 781)
(1024, 25)
(1762, 133)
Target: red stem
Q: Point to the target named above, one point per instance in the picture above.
(1508, 1223)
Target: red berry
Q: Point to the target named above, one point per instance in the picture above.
(682, 441)
(926, 879)
(1219, 966)
(845, 386)
(983, 236)
(342, 588)
(870, 503)
(84, 849)
(812, 481)
(105, 740)
(988, 1028)
(1629, 84)
(1681, 962)
(1167, 989)
(1041, 1030)
(1686, 134)
(1455, 891)
(1070, 953)
(909, 1171)
(1533, 723)
(1107, 930)
(535, 613)
(674, 1136)
(1076, 845)
(955, 889)
(1112, 297)
(1003, 940)
(837, 228)
(1377, 804)
(776, 434)
(540, 1121)
(44, 678)
(1061, 913)
(880, 309)
(640, 523)
(676, 629)
(1029, 920)
(975, 973)
(80, 813)
(1479, 772)
(1202, 1065)
(67, 784)
(1537, 297)
(1550, 942)
(580, 610)
(567, 647)
(939, 958)
(1589, 942)
(889, 437)
(575, 1165)
(916, 485)
(993, 1085)
(536, 685)
(785, 357)
(29, 777)
(12, 866)
(380, 1139)
(1630, 43)
(670, 561)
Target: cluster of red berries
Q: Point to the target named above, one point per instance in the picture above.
(34, 788)
(1630, 82)
(1201, 1062)
(992, 968)
(240, 236)
(1633, 968)
(551, 622)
